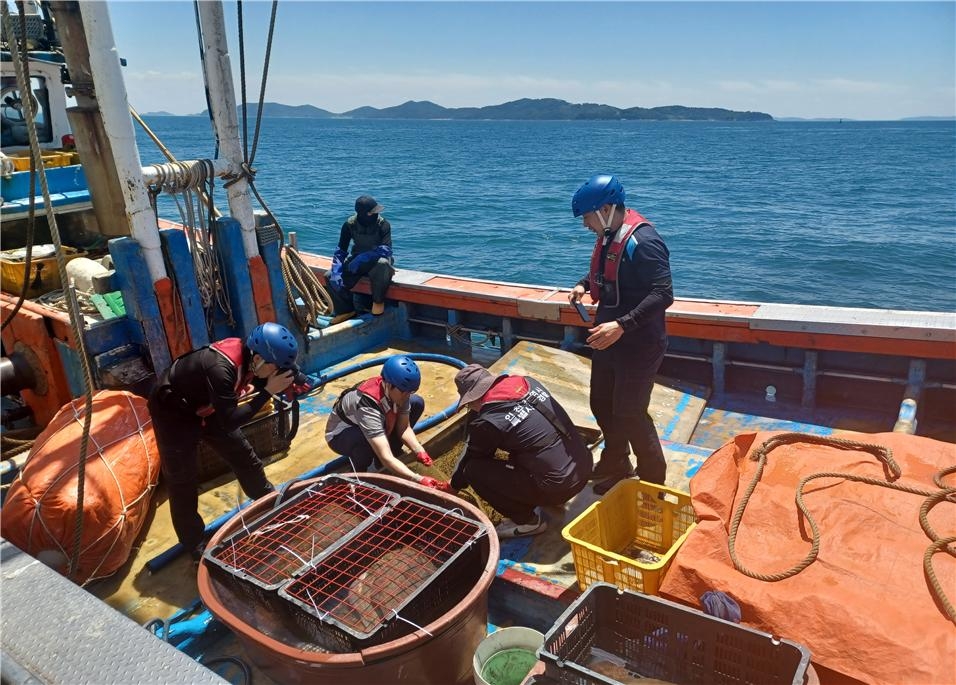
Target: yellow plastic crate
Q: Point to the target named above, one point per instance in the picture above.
(51, 158)
(608, 538)
(44, 272)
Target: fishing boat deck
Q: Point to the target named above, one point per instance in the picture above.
(536, 575)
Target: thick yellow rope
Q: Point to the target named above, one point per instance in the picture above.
(884, 455)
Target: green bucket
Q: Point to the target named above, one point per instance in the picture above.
(506, 656)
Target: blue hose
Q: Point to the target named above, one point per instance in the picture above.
(165, 558)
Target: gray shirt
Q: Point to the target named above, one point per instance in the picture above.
(362, 412)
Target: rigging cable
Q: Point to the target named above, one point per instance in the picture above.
(301, 283)
(180, 178)
(19, 60)
(31, 220)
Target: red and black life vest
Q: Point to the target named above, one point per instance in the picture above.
(231, 349)
(372, 388)
(509, 389)
(603, 276)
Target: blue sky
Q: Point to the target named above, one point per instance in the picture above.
(861, 60)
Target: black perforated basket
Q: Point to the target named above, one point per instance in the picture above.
(269, 434)
(650, 637)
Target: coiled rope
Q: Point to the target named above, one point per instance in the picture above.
(302, 284)
(197, 211)
(23, 83)
(885, 456)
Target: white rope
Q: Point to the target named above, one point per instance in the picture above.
(23, 83)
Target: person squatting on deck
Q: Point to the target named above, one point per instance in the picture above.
(630, 280)
(198, 398)
(370, 421)
(371, 237)
(548, 462)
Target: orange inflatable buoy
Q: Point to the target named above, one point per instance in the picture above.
(122, 469)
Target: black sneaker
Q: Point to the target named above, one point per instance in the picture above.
(509, 529)
(605, 485)
(606, 469)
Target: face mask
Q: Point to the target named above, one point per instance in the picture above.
(367, 219)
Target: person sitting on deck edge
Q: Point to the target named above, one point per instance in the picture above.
(198, 398)
(371, 238)
(548, 462)
(630, 279)
(370, 421)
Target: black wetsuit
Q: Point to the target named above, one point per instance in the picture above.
(622, 376)
(199, 379)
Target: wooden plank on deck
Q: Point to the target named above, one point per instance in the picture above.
(675, 406)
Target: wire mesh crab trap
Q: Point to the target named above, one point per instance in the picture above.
(264, 554)
(402, 572)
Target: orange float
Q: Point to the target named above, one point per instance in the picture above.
(121, 473)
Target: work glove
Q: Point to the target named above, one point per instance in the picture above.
(423, 458)
(430, 482)
(299, 389)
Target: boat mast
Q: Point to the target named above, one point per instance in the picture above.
(104, 129)
(222, 106)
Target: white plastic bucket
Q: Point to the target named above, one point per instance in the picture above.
(506, 656)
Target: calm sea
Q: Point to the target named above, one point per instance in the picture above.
(859, 214)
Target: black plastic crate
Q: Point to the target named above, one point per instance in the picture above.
(609, 634)
(269, 434)
(268, 551)
(403, 571)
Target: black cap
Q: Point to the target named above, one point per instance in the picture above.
(367, 204)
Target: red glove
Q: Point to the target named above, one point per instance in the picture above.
(424, 458)
(430, 482)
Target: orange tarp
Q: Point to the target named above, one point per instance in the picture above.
(864, 607)
(122, 469)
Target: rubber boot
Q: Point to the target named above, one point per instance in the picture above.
(378, 308)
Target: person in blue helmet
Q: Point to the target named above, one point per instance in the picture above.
(630, 280)
(197, 398)
(371, 421)
(370, 236)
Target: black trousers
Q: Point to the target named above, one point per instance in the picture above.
(379, 274)
(621, 384)
(512, 491)
(352, 443)
(177, 436)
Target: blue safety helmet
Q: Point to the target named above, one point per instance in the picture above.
(402, 372)
(275, 344)
(599, 190)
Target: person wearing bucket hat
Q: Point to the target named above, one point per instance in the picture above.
(371, 421)
(630, 280)
(548, 462)
(370, 235)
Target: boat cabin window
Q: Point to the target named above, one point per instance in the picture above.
(13, 117)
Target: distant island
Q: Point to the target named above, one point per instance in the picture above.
(542, 109)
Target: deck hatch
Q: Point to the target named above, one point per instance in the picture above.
(402, 572)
